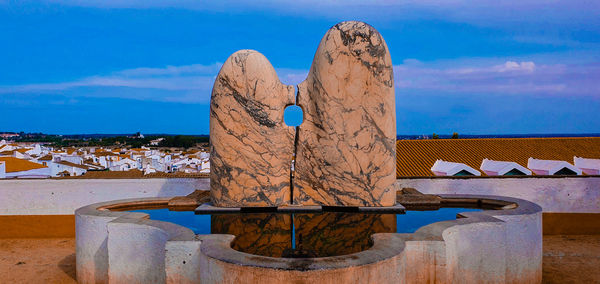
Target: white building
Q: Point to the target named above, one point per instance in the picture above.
(155, 142)
(552, 167)
(2, 169)
(62, 168)
(19, 168)
(503, 168)
(587, 166)
(205, 167)
(36, 150)
(71, 158)
(16, 153)
(124, 164)
(444, 168)
(149, 169)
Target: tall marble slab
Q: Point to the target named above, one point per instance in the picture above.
(346, 144)
(251, 147)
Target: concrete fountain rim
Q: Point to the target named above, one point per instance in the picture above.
(385, 245)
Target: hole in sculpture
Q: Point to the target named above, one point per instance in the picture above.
(293, 115)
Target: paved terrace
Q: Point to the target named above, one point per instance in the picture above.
(567, 259)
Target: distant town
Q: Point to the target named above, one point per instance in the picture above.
(38, 155)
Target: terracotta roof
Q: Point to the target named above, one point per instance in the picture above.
(415, 157)
(125, 156)
(46, 158)
(23, 150)
(98, 154)
(7, 153)
(132, 174)
(176, 175)
(113, 174)
(19, 165)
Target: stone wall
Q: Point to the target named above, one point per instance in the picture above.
(64, 196)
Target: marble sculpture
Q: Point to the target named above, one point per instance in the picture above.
(344, 151)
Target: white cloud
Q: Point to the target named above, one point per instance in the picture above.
(290, 76)
(189, 83)
(510, 77)
(510, 66)
(193, 83)
(185, 83)
(173, 70)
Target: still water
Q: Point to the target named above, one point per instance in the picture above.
(304, 234)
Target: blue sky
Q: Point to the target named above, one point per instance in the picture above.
(472, 67)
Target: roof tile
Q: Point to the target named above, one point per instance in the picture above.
(415, 157)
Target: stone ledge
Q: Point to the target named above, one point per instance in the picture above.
(208, 208)
(398, 208)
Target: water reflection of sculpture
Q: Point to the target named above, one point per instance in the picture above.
(302, 235)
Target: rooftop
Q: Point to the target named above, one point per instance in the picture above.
(416, 157)
(19, 165)
(67, 163)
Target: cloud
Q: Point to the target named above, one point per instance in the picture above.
(173, 70)
(290, 76)
(510, 77)
(512, 66)
(193, 83)
(187, 83)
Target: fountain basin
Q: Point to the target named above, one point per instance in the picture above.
(483, 246)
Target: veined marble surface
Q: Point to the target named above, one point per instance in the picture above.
(345, 147)
(251, 147)
(346, 144)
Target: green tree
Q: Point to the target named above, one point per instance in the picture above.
(178, 141)
(435, 136)
(454, 135)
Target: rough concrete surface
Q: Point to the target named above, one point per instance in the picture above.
(37, 260)
(567, 259)
(571, 259)
(462, 237)
(63, 197)
(556, 194)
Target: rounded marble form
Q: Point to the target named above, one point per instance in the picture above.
(251, 147)
(346, 154)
